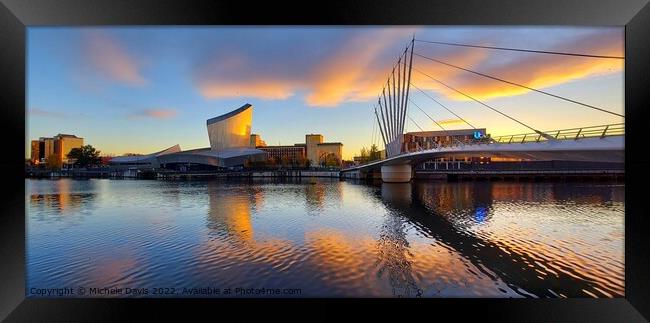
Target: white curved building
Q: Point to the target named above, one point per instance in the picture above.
(143, 161)
(229, 136)
(231, 130)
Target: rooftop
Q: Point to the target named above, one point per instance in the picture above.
(63, 135)
(229, 114)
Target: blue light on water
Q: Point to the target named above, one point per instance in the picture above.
(481, 213)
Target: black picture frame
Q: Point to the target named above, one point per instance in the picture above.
(17, 15)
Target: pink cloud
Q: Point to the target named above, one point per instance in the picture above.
(110, 59)
(155, 114)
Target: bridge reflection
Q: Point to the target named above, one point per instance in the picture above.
(435, 209)
(415, 229)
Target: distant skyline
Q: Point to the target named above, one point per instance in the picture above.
(143, 89)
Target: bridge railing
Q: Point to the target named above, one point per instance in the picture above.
(565, 134)
(601, 131)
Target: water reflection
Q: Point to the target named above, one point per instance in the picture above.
(530, 269)
(333, 238)
(230, 213)
(59, 197)
(393, 245)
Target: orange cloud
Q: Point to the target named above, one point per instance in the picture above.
(155, 113)
(110, 59)
(532, 70)
(352, 73)
(359, 66)
(264, 89)
(451, 122)
(349, 74)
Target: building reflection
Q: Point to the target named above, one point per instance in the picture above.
(228, 212)
(434, 209)
(322, 191)
(315, 195)
(64, 200)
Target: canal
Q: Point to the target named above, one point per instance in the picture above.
(331, 238)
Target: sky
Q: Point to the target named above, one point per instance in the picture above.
(143, 89)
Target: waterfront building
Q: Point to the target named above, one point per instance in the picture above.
(231, 130)
(312, 141)
(317, 149)
(59, 146)
(360, 159)
(142, 161)
(35, 156)
(229, 135)
(64, 143)
(256, 141)
(293, 153)
(46, 148)
(329, 148)
(423, 140)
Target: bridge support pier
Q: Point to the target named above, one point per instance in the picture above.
(396, 173)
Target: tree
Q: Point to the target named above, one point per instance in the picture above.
(374, 153)
(300, 161)
(364, 152)
(84, 156)
(330, 160)
(285, 161)
(53, 162)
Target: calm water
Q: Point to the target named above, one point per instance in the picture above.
(429, 239)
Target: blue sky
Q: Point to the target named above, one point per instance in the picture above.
(143, 89)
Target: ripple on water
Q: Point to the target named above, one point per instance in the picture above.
(330, 239)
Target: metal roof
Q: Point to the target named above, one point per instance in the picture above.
(142, 158)
(229, 114)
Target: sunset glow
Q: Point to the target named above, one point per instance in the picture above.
(141, 90)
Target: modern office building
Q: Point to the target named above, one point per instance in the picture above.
(46, 148)
(64, 143)
(327, 148)
(229, 135)
(256, 141)
(35, 156)
(312, 141)
(293, 153)
(317, 149)
(423, 140)
(59, 146)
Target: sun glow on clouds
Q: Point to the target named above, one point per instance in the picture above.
(358, 69)
(532, 70)
(352, 73)
(107, 57)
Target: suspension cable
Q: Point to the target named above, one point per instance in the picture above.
(522, 86)
(521, 50)
(442, 105)
(415, 123)
(486, 105)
